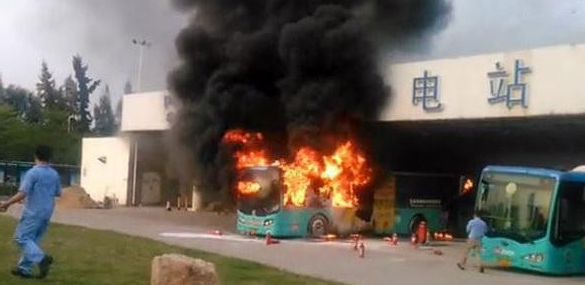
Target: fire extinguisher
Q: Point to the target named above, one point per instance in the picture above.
(394, 239)
(421, 232)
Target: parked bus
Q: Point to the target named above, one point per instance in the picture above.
(407, 199)
(399, 206)
(536, 219)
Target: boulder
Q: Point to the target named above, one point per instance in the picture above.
(176, 269)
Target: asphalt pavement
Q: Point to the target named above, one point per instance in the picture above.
(383, 264)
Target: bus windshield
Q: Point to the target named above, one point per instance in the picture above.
(515, 206)
(267, 200)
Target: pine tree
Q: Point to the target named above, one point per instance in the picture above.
(16, 97)
(34, 109)
(120, 105)
(70, 93)
(1, 89)
(118, 114)
(50, 96)
(86, 86)
(128, 88)
(105, 123)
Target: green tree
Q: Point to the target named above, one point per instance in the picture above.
(69, 91)
(19, 138)
(34, 109)
(12, 132)
(85, 87)
(120, 104)
(1, 88)
(23, 102)
(17, 98)
(128, 88)
(105, 122)
(49, 94)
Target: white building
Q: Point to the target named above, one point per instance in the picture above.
(452, 115)
(128, 166)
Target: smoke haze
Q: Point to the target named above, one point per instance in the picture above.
(302, 71)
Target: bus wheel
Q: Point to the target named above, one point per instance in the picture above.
(417, 219)
(318, 226)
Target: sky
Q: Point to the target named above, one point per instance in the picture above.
(101, 31)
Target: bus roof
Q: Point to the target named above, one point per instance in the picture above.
(562, 175)
(524, 170)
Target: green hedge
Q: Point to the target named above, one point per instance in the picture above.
(7, 190)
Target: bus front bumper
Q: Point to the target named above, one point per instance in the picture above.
(261, 226)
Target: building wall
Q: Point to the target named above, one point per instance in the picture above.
(553, 85)
(105, 167)
(146, 111)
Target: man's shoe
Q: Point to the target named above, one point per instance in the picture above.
(19, 273)
(45, 266)
(460, 266)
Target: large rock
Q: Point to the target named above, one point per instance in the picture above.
(176, 269)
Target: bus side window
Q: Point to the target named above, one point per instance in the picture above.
(485, 189)
(570, 220)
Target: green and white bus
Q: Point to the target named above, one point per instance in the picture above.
(536, 219)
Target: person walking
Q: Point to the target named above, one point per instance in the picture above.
(476, 229)
(39, 187)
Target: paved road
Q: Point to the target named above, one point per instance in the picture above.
(383, 265)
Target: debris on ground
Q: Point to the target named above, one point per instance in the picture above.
(75, 198)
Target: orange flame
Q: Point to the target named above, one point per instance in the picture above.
(335, 177)
(248, 188)
(298, 176)
(249, 156)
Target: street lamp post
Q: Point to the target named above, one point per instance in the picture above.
(141, 45)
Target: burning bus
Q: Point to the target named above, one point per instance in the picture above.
(314, 194)
(309, 195)
(261, 207)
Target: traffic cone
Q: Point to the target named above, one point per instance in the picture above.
(270, 240)
(362, 250)
(394, 239)
(168, 207)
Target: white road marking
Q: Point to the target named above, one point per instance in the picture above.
(370, 245)
(209, 236)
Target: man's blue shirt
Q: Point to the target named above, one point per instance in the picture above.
(476, 228)
(41, 185)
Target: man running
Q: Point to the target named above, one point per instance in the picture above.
(476, 229)
(39, 186)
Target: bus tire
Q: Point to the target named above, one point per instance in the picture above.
(318, 226)
(415, 221)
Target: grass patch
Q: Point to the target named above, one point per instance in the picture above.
(85, 256)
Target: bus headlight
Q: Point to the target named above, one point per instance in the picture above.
(268, 223)
(535, 257)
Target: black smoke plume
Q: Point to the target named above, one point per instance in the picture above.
(299, 70)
